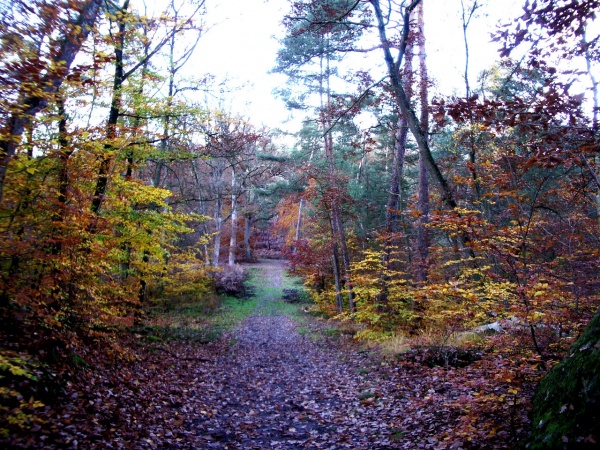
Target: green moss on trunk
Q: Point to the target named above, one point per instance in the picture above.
(566, 407)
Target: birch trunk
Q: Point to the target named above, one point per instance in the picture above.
(234, 216)
(423, 188)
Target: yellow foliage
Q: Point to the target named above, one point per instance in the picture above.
(184, 278)
(384, 301)
(15, 409)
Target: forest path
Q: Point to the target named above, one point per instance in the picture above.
(276, 388)
(281, 379)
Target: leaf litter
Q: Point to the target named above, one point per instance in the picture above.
(266, 385)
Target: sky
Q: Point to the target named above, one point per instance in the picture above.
(241, 45)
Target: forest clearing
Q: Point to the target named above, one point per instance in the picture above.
(407, 268)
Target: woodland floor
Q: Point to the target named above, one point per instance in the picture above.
(273, 382)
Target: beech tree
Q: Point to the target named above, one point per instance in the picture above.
(37, 74)
(71, 235)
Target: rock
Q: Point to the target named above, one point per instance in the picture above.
(489, 328)
(566, 406)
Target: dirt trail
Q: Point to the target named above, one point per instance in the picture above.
(264, 385)
(281, 390)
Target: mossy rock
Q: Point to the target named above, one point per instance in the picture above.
(566, 406)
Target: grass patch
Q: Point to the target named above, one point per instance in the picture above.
(193, 322)
(271, 299)
(206, 319)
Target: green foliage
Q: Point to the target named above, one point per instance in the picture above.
(17, 408)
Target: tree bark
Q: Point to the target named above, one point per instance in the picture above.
(423, 188)
(403, 102)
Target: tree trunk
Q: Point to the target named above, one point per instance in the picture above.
(336, 216)
(113, 115)
(160, 163)
(596, 111)
(247, 233)
(234, 215)
(217, 171)
(394, 202)
(393, 214)
(467, 15)
(403, 102)
(115, 109)
(299, 220)
(65, 152)
(423, 188)
(422, 231)
(303, 200)
(335, 262)
(202, 210)
(218, 216)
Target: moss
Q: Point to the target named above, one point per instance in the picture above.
(566, 407)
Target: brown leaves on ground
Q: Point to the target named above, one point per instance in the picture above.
(267, 386)
(270, 384)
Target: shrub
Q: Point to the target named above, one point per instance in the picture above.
(230, 280)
